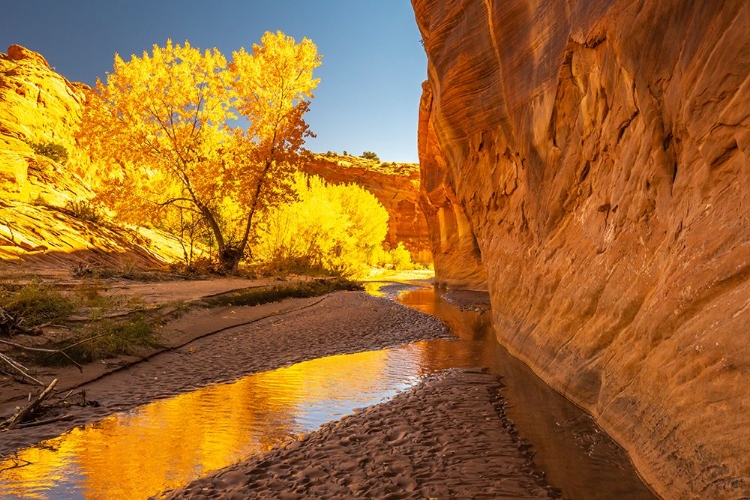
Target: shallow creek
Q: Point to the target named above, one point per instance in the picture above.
(169, 442)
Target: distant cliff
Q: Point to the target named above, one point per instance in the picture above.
(590, 162)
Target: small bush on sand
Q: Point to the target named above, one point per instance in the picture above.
(85, 210)
(53, 151)
(104, 339)
(128, 337)
(255, 296)
(36, 303)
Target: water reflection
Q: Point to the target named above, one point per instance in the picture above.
(170, 442)
(576, 455)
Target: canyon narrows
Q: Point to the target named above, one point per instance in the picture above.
(588, 163)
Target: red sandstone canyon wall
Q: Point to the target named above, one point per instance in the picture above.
(592, 160)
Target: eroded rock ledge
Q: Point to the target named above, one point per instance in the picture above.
(592, 159)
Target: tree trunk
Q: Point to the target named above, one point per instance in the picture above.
(229, 259)
(229, 256)
(253, 207)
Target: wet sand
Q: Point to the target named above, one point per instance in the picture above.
(446, 438)
(268, 337)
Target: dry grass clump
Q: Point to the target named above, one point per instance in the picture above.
(86, 324)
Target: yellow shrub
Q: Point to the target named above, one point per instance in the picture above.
(339, 228)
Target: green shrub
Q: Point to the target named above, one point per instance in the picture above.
(36, 304)
(255, 296)
(119, 337)
(53, 151)
(102, 340)
(369, 155)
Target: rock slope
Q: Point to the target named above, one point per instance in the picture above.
(592, 160)
(39, 231)
(37, 106)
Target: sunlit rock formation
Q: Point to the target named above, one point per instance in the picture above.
(458, 260)
(39, 107)
(594, 157)
(395, 185)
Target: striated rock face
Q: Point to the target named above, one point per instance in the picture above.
(37, 106)
(458, 260)
(38, 231)
(395, 185)
(598, 154)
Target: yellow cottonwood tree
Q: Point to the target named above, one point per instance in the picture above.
(163, 133)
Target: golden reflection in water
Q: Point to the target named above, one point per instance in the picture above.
(168, 443)
(373, 288)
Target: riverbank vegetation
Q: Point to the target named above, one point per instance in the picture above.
(75, 326)
(264, 295)
(49, 326)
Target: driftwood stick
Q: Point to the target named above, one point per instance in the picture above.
(15, 363)
(19, 368)
(18, 418)
(50, 351)
(89, 339)
(46, 421)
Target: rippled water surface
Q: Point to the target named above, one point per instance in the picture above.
(170, 442)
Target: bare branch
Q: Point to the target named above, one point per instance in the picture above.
(19, 368)
(50, 351)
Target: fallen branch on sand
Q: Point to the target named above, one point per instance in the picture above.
(50, 351)
(11, 324)
(18, 367)
(23, 413)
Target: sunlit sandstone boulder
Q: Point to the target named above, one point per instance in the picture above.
(592, 159)
(37, 106)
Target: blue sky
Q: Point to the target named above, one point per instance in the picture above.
(373, 63)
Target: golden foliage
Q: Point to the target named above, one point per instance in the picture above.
(340, 228)
(164, 135)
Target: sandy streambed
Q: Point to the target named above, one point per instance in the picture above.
(446, 438)
(275, 335)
